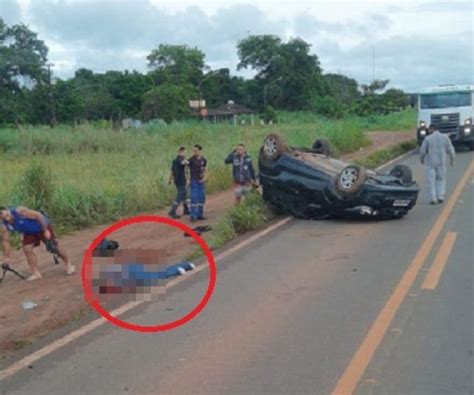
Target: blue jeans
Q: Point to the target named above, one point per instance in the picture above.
(198, 198)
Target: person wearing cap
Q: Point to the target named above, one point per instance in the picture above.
(434, 153)
(243, 172)
(36, 228)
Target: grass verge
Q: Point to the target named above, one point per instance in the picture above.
(88, 175)
(385, 155)
(252, 214)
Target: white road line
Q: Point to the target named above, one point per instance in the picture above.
(55, 345)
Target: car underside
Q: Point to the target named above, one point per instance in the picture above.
(309, 183)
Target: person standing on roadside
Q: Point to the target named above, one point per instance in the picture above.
(243, 172)
(197, 170)
(178, 177)
(433, 153)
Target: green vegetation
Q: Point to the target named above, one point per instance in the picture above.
(89, 174)
(383, 156)
(288, 77)
(400, 120)
(22, 343)
(252, 214)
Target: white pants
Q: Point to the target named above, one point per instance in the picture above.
(436, 181)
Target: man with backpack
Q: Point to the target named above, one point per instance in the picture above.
(36, 228)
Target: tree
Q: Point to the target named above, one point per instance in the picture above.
(176, 64)
(343, 89)
(23, 58)
(169, 102)
(259, 53)
(218, 87)
(396, 98)
(373, 87)
(379, 103)
(298, 71)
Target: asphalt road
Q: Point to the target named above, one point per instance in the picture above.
(292, 313)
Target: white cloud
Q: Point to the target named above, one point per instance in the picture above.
(417, 43)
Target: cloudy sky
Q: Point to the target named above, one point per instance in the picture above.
(417, 43)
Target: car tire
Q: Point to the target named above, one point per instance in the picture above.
(273, 147)
(471, 146)
(322, 146)
(350, 179)
(403, 173)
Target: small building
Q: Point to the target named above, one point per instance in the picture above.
(225, 113)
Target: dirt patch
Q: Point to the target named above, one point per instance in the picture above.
(59, 298)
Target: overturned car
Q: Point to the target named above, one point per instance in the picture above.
(308, 183)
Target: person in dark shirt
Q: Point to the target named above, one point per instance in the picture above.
(178, 177)
(243, 172)
(197, 170)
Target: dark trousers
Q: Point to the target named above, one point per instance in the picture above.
(198, 198)
(181, 198)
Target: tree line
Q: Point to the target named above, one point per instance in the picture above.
(287, 77)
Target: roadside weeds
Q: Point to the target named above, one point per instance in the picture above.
(385, 155)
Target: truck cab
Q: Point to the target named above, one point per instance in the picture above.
(450, 109)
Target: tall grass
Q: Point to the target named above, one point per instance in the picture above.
(99, 174)
(402, 120)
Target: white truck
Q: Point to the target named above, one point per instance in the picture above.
(450, 109)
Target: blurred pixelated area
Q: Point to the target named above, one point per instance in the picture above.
(132, 274)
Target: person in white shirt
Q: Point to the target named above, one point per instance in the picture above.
(434, 152)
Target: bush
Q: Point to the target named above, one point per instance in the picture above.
(270, 115)
(251, 214)
(329, 107)
(35, 188)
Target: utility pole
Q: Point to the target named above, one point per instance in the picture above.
(373, 62)
(210, 74)
(52, 104)
(265, 87)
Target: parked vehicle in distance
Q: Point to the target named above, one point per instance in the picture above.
(308, 183)
(449, 108)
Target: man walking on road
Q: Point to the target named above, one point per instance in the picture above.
(433, 153)
(36, 228)
(197, 170)
(243, 172)
(178, 177)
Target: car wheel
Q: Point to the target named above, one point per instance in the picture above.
(322, 146)
(273, 146)
(471, 146)
(350, 179)
(403, 173)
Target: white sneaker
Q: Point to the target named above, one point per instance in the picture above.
(70, 269)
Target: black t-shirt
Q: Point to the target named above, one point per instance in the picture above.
(178, 170)
(197, 167)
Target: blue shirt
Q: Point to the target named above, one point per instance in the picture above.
(23, 225)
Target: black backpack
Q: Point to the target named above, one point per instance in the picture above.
(105, 246)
